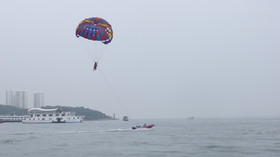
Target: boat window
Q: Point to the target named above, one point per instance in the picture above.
(38, 118)
(33, 118)
(56, 114)
(68, 114)
(50, 115)
(43, 118)
(38, 115)
(63, 114)
(44, 115)
(31, 115)
(78, 117)
(29, 118)
(50, 118)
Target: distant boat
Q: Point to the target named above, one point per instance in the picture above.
(190, 118)
(145, 126)
(125, 118)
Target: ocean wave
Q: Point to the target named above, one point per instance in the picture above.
(7, 141)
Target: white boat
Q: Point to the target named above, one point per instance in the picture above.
(125, 118)
(39, 115)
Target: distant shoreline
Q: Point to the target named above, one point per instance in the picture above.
(90, 114)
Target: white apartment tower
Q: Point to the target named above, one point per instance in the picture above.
(21, 99)
(10, 98)
(39, 99)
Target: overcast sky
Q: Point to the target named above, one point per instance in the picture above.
(168, 59)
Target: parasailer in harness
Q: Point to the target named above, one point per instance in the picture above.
(95, 66)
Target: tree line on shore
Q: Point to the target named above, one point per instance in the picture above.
(80, 111)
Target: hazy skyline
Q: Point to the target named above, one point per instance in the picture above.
(168, 59)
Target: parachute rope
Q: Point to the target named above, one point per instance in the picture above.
(87, 50)
(96, 55)
(113, 92)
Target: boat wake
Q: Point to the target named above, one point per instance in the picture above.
(129, 129)
(119, 130)
(77, 132)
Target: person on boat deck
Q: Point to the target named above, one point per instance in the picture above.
(95, 66)
(145, 124)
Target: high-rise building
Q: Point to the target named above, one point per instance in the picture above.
(10, 97)
(39, 99)
(21, 99)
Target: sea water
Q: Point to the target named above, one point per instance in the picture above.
(237, 137)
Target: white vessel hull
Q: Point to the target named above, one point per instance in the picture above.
(49, 121)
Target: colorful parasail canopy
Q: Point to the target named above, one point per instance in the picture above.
(96, 29)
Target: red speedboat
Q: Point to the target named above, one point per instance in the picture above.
(143, 126)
